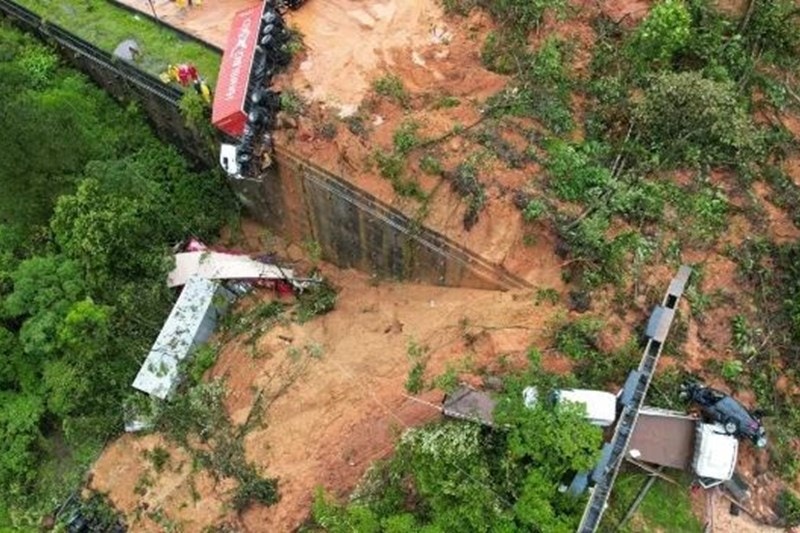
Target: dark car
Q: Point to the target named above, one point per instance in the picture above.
(722, 408)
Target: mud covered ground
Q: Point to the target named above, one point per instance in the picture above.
(330, 415)
(346, 407)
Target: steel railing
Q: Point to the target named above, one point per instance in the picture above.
(75, 45)
(657, 331)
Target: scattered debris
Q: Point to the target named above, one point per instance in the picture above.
(468, 404)
(195, 258)
(738, 488)
(219, 266)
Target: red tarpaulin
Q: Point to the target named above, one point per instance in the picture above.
(234, 73)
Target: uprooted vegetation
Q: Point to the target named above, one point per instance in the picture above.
(645, 140)
(197, 422)
(461, 476)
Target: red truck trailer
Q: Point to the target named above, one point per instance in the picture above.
(229, 112)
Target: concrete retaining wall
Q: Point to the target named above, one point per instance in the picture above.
(295, 198)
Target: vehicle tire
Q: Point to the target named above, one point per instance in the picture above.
(730, 427)
(684, 395)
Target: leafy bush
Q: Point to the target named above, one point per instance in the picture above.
(542, 88)
(575, 175)
(578, 339)
(687, 119)
(38, 63)
(715, 44)
(459, 7)
(197, 114)
(417, 354)
(201, 360)
(642, 201)
(464, 181)
(789, 508)
(430, 165)
(707, 209)
(254, 488)
(393, 88)
(391, 166)
(318, 299)
(534, 210)
(595, 258)
(665, 31)
(292, 103)
(501, 52)
(405, 137)
(158, 456)
(775, 27)
(523, 16)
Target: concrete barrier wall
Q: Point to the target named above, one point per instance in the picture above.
(301, 201)
(123, 80)
(295, 198)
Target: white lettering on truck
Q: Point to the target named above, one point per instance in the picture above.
(238, 58)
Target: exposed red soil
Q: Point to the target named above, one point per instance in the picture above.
(628, 12)
(780, 227)
(345, 409)
(792, 168)
(348, 41)
(329, 417)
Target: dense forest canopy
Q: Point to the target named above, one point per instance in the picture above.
(91, 203)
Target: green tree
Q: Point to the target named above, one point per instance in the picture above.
(110, 230)
(451, 472)
(44, 288)
(665, 31)
(83, 338)
(685, 118)
(20, 415)
(82, 292)
(459, 476)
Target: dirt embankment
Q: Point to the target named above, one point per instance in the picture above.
(348, 41)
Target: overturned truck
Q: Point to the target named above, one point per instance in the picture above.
(245, 108)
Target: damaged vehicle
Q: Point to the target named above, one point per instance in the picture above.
(727, 411)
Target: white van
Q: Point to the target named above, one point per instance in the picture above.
(601, 406)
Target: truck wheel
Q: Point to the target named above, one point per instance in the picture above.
(730, 427)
